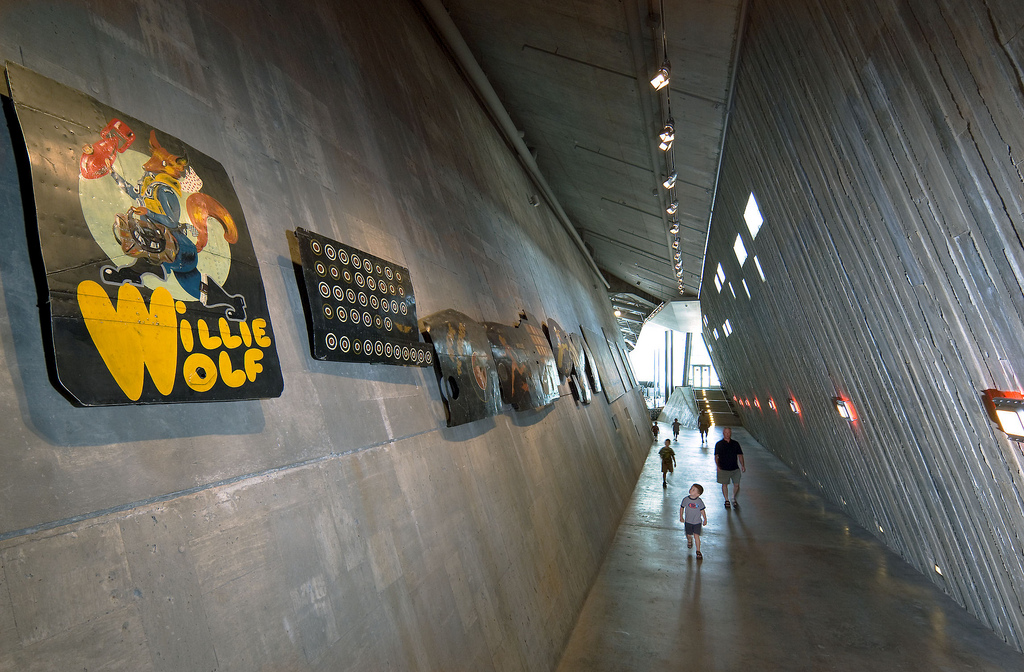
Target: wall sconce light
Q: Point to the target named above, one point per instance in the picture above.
(757, 404)
(845, 409)
(1006, 408)
(793, 406)
(672, 207)
(662, 76)
(670, 181)
(771, 404)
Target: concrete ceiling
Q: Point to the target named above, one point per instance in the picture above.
(574, 78)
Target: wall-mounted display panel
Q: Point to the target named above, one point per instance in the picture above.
(526, 366)
(361, 307)
(154, 289)
(468, 375)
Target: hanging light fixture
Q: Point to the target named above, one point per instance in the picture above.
(672, 207)
(662, 76)
(670, 181)
(674, 229)
(675, 243)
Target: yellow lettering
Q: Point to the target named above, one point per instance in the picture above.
(187, 339)
(231, 378)
(200, 372)
(209, 342)
(246, 334)
(252, 365)
(132, 338)
(259, 332)
(230, 340)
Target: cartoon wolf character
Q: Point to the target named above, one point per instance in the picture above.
(152, 234)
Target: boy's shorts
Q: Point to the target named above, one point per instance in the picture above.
(692, 528)
(727, 476)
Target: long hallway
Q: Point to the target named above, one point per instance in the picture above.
(787, 582)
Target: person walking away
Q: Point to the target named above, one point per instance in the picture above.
(692, 513)
(704, 424)
(729, 459)
(675, 429)
(655, 429)
(668, 461)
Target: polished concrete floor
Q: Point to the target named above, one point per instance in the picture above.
(786, 583)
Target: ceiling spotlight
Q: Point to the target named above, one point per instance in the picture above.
(672, 207)
(675, 244)
(674, 228)
(670, 181)
(661, 77)
(667, 136)
(618, 313)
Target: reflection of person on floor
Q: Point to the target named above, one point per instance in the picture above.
(703, 424)
(729, 458)
(668, 462)
(692, 513)
(675, 429)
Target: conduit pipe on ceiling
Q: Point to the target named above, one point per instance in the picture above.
(478, 80)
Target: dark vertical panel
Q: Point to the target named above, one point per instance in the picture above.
(882, 140)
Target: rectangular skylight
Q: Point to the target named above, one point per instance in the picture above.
(745, 288)
(752, 215)
(732, 290)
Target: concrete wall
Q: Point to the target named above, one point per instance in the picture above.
(341, 526)
(884, 142)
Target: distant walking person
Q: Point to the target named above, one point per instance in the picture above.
(703, 424)
(675, 429)
(668, 462)
(692, 513)
(655, 429)
(729, 458)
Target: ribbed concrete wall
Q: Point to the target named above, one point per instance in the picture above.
(884, 142)
(341, 526)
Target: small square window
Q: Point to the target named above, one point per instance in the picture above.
(752, 216)
(715, 332)
(718, 284)
(732, 290)
(745, 288)
(740, 250)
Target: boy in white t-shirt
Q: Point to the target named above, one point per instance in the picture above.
(692, 513)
